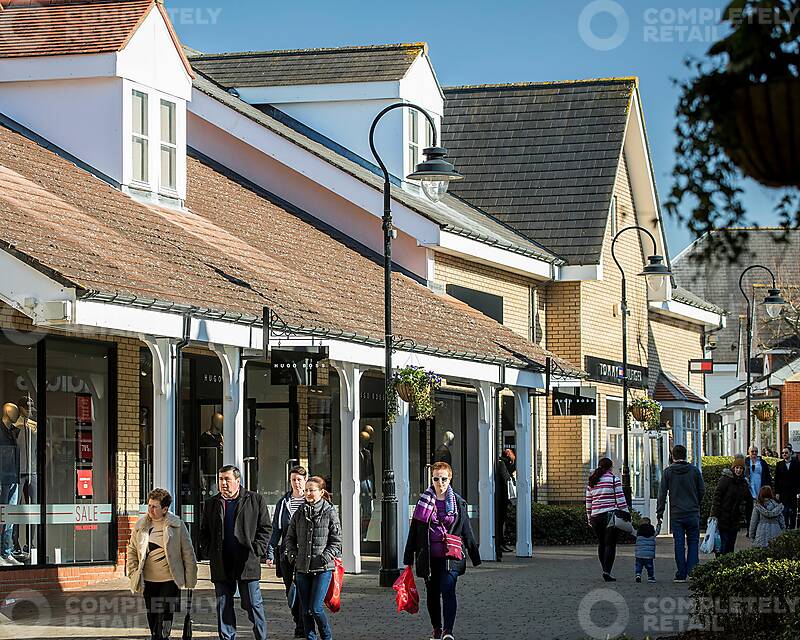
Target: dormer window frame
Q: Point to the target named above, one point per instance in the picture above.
(414, 152)
(140, 172)
(168, 146)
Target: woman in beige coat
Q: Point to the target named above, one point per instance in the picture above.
(161, 561)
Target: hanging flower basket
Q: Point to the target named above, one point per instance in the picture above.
(416, 386)
(405, 391)
(764, 411)
(760, 134)
(647, 412)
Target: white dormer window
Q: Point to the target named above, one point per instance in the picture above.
(169, 147)
(139, 134)
(413, 140)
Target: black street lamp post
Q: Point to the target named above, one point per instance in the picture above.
(772, 303)
(434, 175)
(655, 272)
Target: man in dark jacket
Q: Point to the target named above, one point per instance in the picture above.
(276, 553)
(684, 484)
(234, 536)
(787, 485)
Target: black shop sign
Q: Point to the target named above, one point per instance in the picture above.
(611, 371)
(574, 402)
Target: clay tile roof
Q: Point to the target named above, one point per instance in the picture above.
(309, 66)
(71, 27)
(234, 251)
(670, 389)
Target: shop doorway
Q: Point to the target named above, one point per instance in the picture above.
(451, 437)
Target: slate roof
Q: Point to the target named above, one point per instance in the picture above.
(679, 294)
(541, 157)
(30, 28)
(309, 66)
(718, 281)
(670, 389)
(452, 213)
(235, 249)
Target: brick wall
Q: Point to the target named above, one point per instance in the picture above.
(127, 456)
(672, 344)
(790, 407)
(514, 289)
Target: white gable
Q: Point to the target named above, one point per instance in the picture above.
(151, 59)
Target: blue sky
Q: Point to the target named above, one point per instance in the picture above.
(477, 42)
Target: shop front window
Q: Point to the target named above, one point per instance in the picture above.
(80, 430)
(20, 512)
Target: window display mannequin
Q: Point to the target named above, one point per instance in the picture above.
(9, 477)
(28, 485)
(366, 474)
(443, 453)
(211, 445)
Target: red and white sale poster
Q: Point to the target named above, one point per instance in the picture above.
(83, 409)
(83, 445)
(84, 488)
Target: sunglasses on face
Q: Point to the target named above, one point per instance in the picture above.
(784, 453)
(442, 479)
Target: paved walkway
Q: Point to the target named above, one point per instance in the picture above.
(557, 594)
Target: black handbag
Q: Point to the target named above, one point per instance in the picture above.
(187, 619)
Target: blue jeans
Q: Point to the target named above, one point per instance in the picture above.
(646, 563)
(727, 539)
(312, 588)
(686, 532)
(252, 603)
(9, 493)
(442, 595)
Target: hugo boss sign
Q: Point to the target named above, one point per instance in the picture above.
(611, 371)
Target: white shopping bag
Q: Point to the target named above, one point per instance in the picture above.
(707, 546)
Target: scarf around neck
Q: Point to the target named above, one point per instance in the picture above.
(426, 505)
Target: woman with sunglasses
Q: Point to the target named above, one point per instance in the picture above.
(439, 539)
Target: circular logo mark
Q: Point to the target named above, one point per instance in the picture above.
(598, 7)
(25, 604)
(597, 596)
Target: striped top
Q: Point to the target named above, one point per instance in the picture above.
(293, 504)
(606, 495)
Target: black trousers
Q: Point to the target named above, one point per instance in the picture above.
(287, 573)
(162, 599)
(606, 541)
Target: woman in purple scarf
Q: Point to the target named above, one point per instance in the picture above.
(439, 537)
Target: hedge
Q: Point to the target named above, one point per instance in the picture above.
(712, 467)
(771, 575)
(566, 525)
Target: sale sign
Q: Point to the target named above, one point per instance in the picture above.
(83, 445)
(84, 487)
(83, 409)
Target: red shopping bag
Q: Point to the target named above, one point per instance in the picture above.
(407, 594)
(333, 599)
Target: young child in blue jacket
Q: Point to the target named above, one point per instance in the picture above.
(645, 550)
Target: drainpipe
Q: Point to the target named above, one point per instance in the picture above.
(178, 381)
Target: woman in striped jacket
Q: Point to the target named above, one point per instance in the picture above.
(603, 496)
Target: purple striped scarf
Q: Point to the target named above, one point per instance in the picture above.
(426, 505)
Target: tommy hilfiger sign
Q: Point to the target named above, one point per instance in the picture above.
(611, 371)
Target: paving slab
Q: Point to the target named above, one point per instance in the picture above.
(557, 594)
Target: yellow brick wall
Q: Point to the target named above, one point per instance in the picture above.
(584, 319)
(514, 289)
(672, 344)
(127, 411)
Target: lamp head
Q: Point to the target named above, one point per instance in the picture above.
(656, 272)
(774, 303)
(435, 173)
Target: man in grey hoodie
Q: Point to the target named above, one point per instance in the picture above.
(684, 483)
